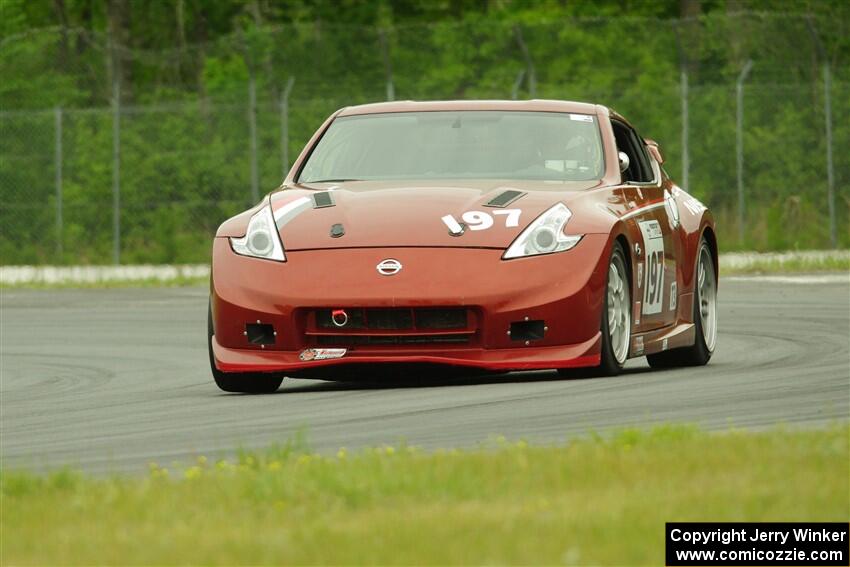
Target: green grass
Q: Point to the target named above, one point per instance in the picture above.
(592, 501)
(790, 266)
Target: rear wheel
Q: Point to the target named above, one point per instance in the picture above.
(705, 318)
(616, 326)
(241, 382)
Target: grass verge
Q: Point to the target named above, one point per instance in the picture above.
(112, 284)
(592, 501)
(786, 264)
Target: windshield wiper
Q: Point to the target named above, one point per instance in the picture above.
(331, 180)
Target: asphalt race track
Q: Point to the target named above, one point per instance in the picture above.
(110, 380)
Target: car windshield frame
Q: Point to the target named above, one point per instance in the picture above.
(546, 155)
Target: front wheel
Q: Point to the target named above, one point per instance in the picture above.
(240, 382)
(705, 318)
(616, 324)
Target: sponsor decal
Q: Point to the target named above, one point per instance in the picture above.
(664, 344)
(653, 289)
(638, 346)
(674, 295)
(309, 354)
(640, 274)
(581, 117)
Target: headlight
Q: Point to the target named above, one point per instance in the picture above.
(262, 239)
(545, 235)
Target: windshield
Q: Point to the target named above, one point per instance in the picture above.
(458, 145)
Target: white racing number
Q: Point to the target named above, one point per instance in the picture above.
(511, 216)
(653, 289)
(480, 220)
(477, 220)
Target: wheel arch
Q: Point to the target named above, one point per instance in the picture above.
(620, 237)
(711, 239)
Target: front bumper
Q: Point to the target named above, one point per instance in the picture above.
(565, 290)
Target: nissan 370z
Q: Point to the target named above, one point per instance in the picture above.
(493, 235)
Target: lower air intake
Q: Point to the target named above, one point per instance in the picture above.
(380, 340)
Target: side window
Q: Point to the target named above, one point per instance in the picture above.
(647, 174)
(640, 170)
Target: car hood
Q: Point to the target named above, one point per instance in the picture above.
(390, 214)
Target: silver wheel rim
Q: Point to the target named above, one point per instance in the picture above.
(619, 309)
(707, 287)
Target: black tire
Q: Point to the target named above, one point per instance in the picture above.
(699, 353)
(608, 364)
(240, 382)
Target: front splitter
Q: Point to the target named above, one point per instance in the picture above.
(526, 358)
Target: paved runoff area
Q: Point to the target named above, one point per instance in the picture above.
(109, 380)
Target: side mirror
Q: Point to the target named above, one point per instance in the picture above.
(624, 161)
(654, 150)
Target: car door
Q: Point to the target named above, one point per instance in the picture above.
(654, 253)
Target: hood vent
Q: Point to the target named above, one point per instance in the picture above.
(323, 199)
(504, 198)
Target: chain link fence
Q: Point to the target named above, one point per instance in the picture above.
(112, 155)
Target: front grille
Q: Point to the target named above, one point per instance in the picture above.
(378, 326)
(396, 319)
(441, 318)
(378, 340)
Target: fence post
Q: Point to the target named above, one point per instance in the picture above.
(252, 126)
(686, 156)
(284, 127)
(830, 174)
(116, 171)
(739, 145)
(388, 64)
(57, 114)
(827, 110)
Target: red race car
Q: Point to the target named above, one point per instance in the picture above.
(495, 235)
